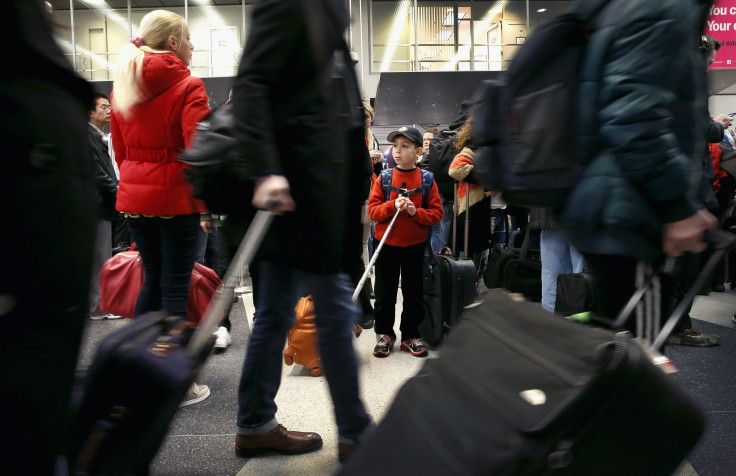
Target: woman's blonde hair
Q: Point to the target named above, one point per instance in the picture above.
(368, 132)
(155, 30)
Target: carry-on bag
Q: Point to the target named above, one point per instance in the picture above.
(519, 391)
(574, 293)
(523, 273)
(498, 258)
(301, 341)
(448, 285)
(140, 375)
(121, 279)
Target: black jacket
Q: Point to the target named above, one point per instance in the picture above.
(107, 182)
(291, 119)
(645, 129)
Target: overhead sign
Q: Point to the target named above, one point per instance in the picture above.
(721, 25)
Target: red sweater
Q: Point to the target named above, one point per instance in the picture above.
(407, 230)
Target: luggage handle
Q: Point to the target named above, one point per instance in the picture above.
(456, 212)
(224, 295)
(721, 242)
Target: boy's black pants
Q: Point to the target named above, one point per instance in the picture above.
(392, 262)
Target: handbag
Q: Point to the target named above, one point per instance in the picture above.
(122, 277)
(213, 168)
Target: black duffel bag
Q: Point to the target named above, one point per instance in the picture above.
(212, 174)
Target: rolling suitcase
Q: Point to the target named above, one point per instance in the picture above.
(519, 391)
(448, 285)
(141, 373)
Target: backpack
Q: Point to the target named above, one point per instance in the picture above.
(525, 122)
(427, 180)
(441, 153)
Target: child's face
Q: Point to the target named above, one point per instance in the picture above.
(405, 152)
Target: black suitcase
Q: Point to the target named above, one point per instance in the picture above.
(448, 286)
(141, 373)
(498, 258)
(519, 391)
(574, 293)
(523, 273)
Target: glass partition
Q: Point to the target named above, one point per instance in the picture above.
(92, 32)
(441, 35)
(403, 35)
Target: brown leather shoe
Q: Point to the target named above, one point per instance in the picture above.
(345, 451)
(278, 440)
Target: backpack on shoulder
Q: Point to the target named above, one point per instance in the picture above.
(439, 158)
(525, 123)
(427, 180)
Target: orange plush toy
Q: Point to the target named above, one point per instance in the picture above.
(302, 345)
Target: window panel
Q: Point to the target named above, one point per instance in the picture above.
(455, 35)
(100, 31)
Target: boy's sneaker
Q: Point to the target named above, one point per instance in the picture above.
(415, 347)
(222, 339)
(195, 394)
(384, 345)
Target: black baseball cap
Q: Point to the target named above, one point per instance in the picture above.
(411, 133)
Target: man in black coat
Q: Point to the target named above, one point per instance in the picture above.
(299, 123)
(46, 186)
(107, 187)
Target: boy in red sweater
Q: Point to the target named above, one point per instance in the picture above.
(403, 251)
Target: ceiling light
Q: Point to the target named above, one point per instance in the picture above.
(541, 10)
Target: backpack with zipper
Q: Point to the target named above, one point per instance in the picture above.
(525, 122)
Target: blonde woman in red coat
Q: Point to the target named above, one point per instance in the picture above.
(157, 104)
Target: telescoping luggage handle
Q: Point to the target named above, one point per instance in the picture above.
(224, 296)
(455, 212)
(721, 242)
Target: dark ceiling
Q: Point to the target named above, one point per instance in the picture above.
(122, 4)
(117, 4)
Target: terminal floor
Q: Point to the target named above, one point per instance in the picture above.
(201, 437)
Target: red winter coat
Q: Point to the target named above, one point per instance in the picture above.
(148, 143)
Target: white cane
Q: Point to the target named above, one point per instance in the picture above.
(367, 271)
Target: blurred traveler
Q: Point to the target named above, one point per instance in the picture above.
(301, 146)
(46, 186)
(644, 136)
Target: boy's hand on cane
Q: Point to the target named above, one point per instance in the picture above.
(401, 204)
(411, 209)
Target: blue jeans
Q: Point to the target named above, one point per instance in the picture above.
(558, 257)
(207, 247)
(279, 290)
(168, 248)
(500, 227)
(441, 231)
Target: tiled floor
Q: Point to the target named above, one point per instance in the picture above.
(200, 440)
